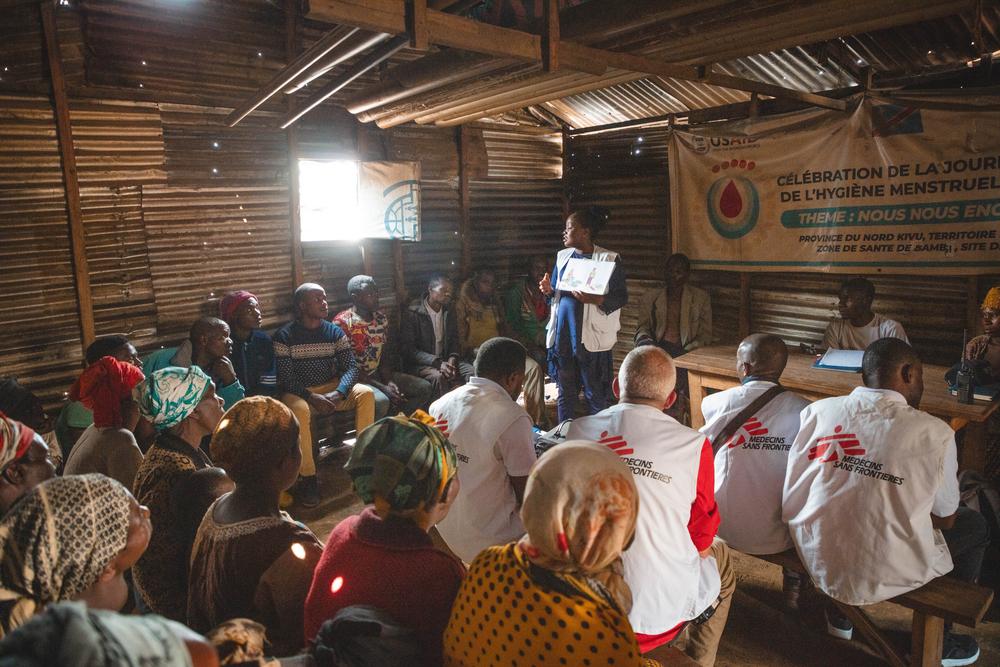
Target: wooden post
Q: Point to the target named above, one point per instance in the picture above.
(398, 275)
(566, 139)
(754, 105)
(464, 177)
(67, 153)
(292, 140)
(744, 304)
(550, 35)
(926, 640)
(416, 24)
(972, 305)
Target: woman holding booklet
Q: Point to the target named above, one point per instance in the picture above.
(583, 326)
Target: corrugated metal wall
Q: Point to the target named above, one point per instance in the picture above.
(516, 211)
(626, 171)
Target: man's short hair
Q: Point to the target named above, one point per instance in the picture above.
(883, 357)
(301, 291)
(499, 357)
(359, 284)
(104, 346)
(861, 286)
(437, 279)
(204, 326)
(647, 373)
(679, 258)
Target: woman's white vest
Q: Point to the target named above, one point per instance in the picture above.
(600, 330)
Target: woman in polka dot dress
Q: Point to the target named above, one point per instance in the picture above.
(556, 597)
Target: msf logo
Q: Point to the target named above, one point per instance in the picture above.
(442, 425)
(615, 443)
(752, 427)
(827, 447)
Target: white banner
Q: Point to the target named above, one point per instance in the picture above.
(389, 199)
(895, 185)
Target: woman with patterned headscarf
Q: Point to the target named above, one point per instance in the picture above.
(405, 470)
(987, 348)
(249, 558)
(557, 595)
(108, 446)
(183, 408)
(72, 538)
(24, 461)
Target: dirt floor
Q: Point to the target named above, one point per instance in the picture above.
(759, 631)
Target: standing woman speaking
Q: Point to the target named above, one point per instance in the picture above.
(583, 327)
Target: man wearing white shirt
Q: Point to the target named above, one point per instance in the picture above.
(750, 461)
(494, 444)
(676, 569)
(871, 494)
(859, 326)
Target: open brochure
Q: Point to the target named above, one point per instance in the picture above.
(586, 275)
(848, 361)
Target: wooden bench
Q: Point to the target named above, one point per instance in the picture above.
(934, 603)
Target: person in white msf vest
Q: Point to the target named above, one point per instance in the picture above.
(675, 567)
(750, 463)
(494, 443)
(871, 494)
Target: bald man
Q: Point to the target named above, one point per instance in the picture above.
(871, 494)
(675, 567)
(208, 347)
(750, 460)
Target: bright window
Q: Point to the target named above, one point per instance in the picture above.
(328, 200)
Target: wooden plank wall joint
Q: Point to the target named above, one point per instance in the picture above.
(550, 36)
(292, 135)
(67, 152)
(416, 24)
(745, 314)
(464, 176)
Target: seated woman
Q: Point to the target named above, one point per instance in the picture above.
(986, 348)
(108, 446)
(71, 538)
(24, 461)
(250, 559)
(182, 406)
(556, 596)
(68, 633)
(384, 557)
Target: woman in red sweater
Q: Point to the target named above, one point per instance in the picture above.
(405, 470)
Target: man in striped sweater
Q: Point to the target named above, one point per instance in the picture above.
(317, 374)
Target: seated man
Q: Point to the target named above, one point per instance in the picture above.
(479, 319)
(494, 443)
(253, 350)
(859, 326)
(675, 567)
(208, 347)
(751, 458)
(429, 338)
(74, 416)
(870, 488)
(24, 461)
(317, 373)
(677, 318)
(526, 310)
(367, 328)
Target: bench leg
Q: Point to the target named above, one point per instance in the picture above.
(870, 632)
(927, 640)
(696, 392)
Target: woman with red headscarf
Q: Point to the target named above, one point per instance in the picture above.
(109, 445)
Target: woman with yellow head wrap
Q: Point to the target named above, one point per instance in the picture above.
(384, 557)
(986, 348)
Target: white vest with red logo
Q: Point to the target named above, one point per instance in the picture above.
(750, 466)
(670, 582)
(861, 483)
(484, 514)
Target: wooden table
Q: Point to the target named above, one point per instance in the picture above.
(715, 368)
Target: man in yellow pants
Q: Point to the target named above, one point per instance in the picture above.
(317, 374)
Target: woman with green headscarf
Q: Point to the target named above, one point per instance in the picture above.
(405, 470)
(183, 408)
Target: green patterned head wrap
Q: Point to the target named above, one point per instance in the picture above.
(168, 396)
(400, 463)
